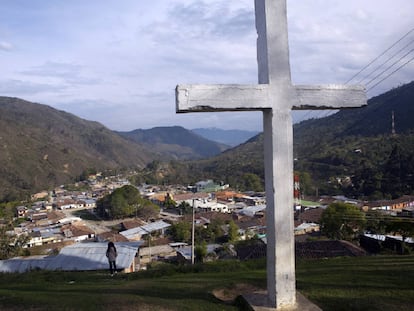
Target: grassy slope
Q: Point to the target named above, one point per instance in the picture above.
(364, 283)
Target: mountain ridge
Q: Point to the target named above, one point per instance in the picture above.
(175, 142)
(44, 147)
(352, 152)
(228, 137)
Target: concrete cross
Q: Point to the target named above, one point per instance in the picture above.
(275, 96)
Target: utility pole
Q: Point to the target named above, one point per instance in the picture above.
(192, 237)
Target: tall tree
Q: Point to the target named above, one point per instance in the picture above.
(233, 231)
(126, 202)
(342, 221)
(392, 183)
(11, 245)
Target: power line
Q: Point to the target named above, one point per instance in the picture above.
(379, 56)
(378, 67)
(378, 75)
(390, 74)
(328, 112)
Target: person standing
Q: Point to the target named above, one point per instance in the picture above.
(111, 254)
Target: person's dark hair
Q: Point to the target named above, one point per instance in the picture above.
(111, 244)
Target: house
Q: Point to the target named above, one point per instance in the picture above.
(211, 206)
(77, 257)
(392, 205)
(21, 211)
(312, 215)
(157, 252)
(135, 234)
(305, 228)
(35, 239)
(184, 253)
(38, 216)
(67, 204)
(407, 212)
(209, 186)
(252, 210)
(88, 203)
(110, 236)
(189, 197)
(77, 232)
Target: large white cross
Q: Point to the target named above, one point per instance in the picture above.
(275, 96)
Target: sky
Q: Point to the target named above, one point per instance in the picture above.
(118, 61)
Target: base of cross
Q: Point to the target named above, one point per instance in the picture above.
(258, 301)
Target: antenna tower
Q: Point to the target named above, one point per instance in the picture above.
(393, 124)
(296, 192)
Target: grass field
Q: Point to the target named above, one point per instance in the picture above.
(363, 283)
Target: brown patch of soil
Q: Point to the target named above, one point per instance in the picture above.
(229, 295)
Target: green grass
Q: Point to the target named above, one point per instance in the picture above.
(362, 283)
(365, 283)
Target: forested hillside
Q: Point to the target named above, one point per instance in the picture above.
(42, 147)
(357, 152)
(352, 152)
(175, 142)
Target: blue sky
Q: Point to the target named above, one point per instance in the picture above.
(118, 61)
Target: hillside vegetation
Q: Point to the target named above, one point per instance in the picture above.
(42, 147)
(352, 152)
(175, 142)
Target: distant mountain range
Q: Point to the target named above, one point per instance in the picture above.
(175, 142)
(42, 147)
(228, 137)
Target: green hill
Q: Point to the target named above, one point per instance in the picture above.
(42, 147)
(175, 142)
(351, 152)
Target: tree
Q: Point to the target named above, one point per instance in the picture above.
(233, 233)
(185, 208)
(404, 227)
(306, 184)
(392, 184)
(11, 245)
(252, 182)
(342, 221)
(169, 201)
(181, 231)
(200, 252)
(377, 222)
(211, 234)
(126, 202)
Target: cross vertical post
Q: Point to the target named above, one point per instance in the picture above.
(275, 96)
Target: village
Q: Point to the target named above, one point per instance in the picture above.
(65, 233)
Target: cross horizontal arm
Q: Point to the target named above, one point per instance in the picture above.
(233, 97)
(328, 96)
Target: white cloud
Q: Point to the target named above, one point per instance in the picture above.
(118, 62)
(17, 88)
(5, 46)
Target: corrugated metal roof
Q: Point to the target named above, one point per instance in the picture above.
(76, 257)
(251, 210)
(145, 229)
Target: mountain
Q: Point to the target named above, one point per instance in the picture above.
(42, 147)
(175, 142)
(352, 152)
(228, 137)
